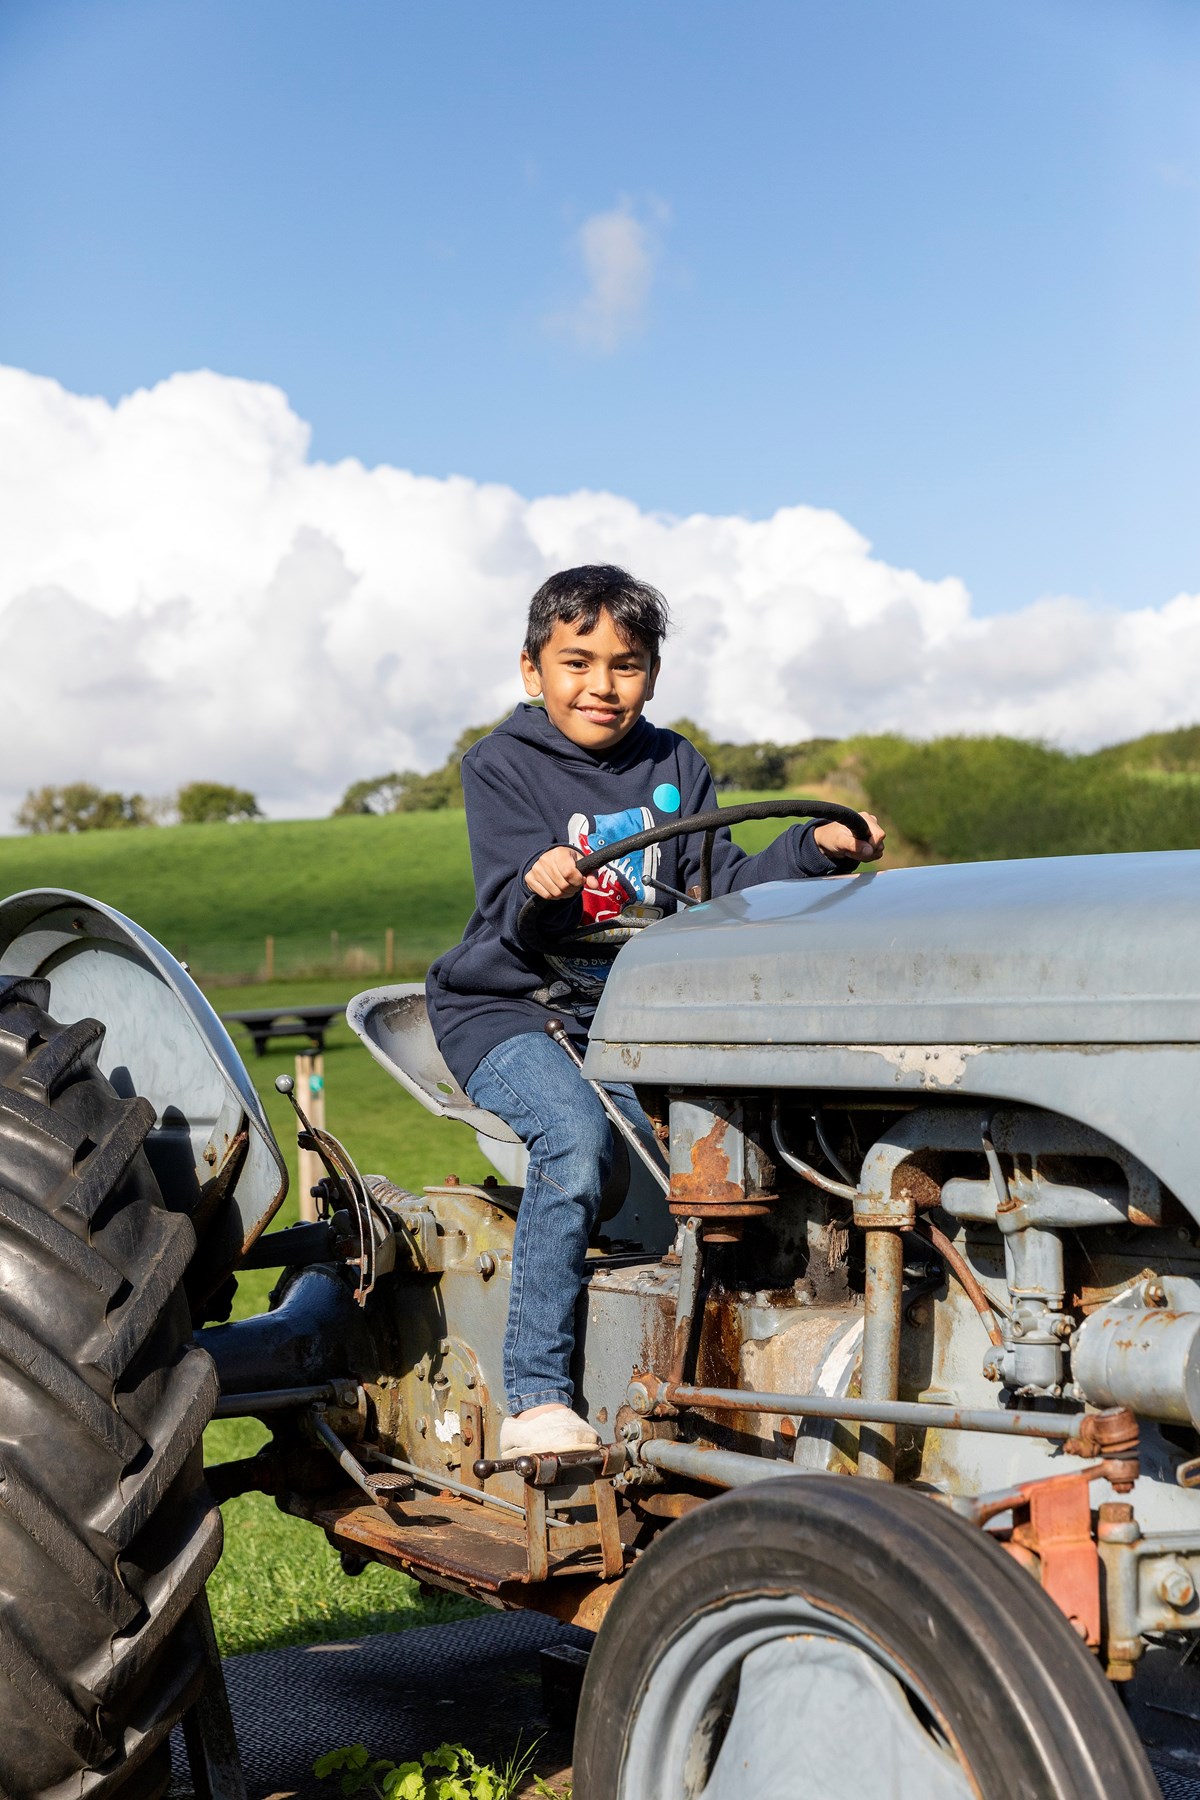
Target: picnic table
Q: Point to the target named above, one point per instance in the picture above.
(267, 1022)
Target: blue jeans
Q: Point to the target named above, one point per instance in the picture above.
(534, 1087)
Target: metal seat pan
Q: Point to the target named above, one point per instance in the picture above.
(394, 1025)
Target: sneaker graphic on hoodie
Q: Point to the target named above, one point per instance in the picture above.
(626, 886)
(631, 877)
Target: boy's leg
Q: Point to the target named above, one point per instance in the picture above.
(534, 1087)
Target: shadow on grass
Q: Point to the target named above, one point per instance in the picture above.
(279, 1583)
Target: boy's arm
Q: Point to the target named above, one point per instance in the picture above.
(793, 856)
(507, 834)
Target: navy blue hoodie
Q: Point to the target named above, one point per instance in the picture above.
(527, 788)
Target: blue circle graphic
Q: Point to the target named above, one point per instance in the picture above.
(666, 797)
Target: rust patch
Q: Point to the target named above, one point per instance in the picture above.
(708, 1180)
(916, 1185)
(459, 1545)
(707, 1192)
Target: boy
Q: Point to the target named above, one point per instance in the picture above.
(583, 769)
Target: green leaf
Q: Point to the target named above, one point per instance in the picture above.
(446, 1756)
(405, 1782)
(350, 1756)
(449, 1787)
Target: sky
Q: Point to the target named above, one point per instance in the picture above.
(871, 332)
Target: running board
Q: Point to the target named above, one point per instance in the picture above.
(468, 1548)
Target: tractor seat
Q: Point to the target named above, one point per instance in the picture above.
(394, 1025)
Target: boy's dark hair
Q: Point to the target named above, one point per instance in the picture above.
(578, 597)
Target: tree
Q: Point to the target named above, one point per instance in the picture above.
(736, 765)
(78, 806)
(375, 794)
(212, 803)
(405, 791)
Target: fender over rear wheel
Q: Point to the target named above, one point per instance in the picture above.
(107, 1531)
(831, 1638)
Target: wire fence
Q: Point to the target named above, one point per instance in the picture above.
(292, 956)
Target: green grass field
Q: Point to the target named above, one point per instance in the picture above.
(326, 890)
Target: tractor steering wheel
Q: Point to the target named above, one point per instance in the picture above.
(621, 928)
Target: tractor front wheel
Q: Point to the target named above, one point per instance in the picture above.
(107, 1531)
(827, 1638)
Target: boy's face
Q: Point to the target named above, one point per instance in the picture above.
(594, 685)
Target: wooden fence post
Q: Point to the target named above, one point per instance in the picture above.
(310, 1091)
(270, 958)
(333, 948)
(389, 951)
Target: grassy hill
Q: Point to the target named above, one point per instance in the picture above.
(326, 890)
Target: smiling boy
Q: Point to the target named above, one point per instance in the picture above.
(581, 771)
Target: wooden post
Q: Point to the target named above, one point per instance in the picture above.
(389, 951)
(333, 948)
(270, 959)
(310, 1091)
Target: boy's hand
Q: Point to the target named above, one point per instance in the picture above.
(555, 875)
(839, 840)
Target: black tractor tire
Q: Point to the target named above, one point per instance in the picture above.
(107, 1531)
(1012, 1695)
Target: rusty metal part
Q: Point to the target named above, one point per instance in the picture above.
(691, 1272)
(556, 1030)
(453, 1542)
(1052, 1523)
(718, 1173)
(547, 1470)
(447, 1540)
(1059, 1533)
(716, 1468)
(604, 1535)
(965, 1275)
(660, 1505)
(648, 1391)
(880, 1370)
(1112, 1435)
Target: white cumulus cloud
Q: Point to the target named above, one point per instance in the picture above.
(185, 594)
(618, 252)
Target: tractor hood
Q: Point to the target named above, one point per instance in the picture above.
(1074, 949)
(1071, 983)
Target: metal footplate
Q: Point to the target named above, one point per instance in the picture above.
(593, 1468)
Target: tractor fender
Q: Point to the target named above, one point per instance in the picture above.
(211, 1147)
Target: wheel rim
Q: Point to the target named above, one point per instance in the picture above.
(767, 1691)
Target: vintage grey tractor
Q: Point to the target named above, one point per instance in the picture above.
(894, 1351)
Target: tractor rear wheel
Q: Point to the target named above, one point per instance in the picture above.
(827, 1638)
(107, 1532)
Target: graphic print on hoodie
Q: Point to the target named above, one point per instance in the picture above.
(526, 787)
(625, 886)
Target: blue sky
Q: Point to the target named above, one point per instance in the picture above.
(935, 265)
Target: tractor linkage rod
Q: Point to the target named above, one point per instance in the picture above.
(248, 1406)
(556, 1030)
(646, 1392)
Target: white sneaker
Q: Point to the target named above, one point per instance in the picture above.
(546, 1434)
